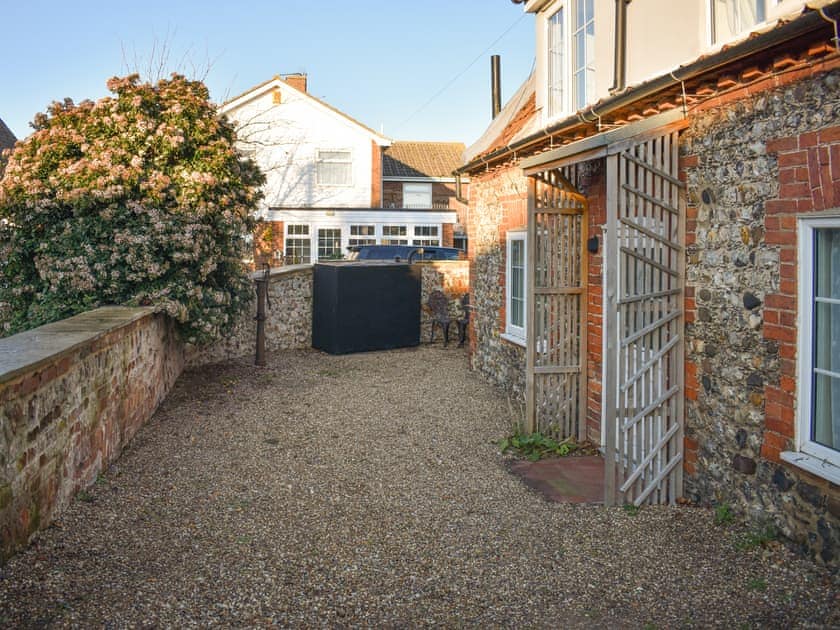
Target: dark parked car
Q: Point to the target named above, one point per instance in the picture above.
(403, 252)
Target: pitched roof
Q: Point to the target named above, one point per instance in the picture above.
(7, 138)
(277, 81)
(421, 159)
(516, 120)
(800, 36)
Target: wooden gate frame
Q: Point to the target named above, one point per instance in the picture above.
(618, 484)
(569, 202)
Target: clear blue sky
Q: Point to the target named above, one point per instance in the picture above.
(375, 60)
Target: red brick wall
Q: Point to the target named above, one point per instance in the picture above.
(376, 175)
(809, 181)
(268, 239)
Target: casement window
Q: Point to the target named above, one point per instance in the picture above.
(298, 244)
(515, 293)
(731, 18)
(570, 63)
(818, 351)
(335, 168)
(394, 235)
(362, 235)
(426, 235)
(329, 243)
(417, 195)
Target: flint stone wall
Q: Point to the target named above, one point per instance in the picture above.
(499, 203)
(288, 324)
(738, 257)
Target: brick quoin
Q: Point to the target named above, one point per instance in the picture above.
(809, 169)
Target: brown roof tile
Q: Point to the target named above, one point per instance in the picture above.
(422, 159)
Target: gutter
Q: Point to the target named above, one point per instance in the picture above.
(803, 25)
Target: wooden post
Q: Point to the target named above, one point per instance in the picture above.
(262, 303)
(610, 330)
(530, 320)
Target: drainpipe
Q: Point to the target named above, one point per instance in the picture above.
(459, 196)
(620, 67)
(262, 304)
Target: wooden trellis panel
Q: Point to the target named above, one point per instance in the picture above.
(556, 303)
(644, 323)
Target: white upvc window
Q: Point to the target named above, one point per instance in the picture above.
(417, 195)
(426, 235)
(298, 244)
(570, 57)
(394, 235)
(731, 18)
(362, 235)
(818, 349)
(335, 168)
(515, 286)
(329, 243)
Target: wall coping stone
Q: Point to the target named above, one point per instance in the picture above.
(276, 272)
(31, 349)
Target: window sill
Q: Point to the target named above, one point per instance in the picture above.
(519, 341)
(814, 465)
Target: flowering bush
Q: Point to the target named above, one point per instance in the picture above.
(139, 199)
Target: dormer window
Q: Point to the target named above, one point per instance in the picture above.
(570, 66)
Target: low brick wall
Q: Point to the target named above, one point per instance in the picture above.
(289, 323)
(72, 395)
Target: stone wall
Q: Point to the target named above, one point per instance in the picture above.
(450, 276)
(72, 395)
(289, 323)
(754, 161)
(498, 203)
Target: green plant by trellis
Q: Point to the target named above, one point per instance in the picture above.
(535, 446)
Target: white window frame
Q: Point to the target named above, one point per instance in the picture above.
(430, 239)
(288, 237)
(317, 238)
(366, 236)
(394, 239)
(562, 79)
(811, 456)
(771, 10)
(516, 334)
(320, 159)
(418, 189)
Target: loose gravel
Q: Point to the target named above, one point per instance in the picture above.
(367, 490)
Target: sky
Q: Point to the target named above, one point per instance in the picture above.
(415, 70)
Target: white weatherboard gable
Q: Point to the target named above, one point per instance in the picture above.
(284, 139)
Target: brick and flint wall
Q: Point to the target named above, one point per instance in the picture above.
(755, 160)
(72, 395)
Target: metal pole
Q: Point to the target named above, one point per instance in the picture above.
(262, 303)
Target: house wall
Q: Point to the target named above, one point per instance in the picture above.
(498, 203)
(754, 160)
(285, 138)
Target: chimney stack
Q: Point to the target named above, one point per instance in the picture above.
(297, 81)
(496, 84)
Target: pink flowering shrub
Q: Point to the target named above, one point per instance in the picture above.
(139, 199)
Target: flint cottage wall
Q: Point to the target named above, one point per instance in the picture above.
(754, 161)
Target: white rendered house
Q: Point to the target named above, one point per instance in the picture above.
(323, 171)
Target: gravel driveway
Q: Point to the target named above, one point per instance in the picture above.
(365, 490)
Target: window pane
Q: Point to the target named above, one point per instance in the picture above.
(335, 168)
(556, 63)
(826, 350)
(329, 243)
(517, 283)
(362, 230)
(732, 17)
(417, 195)
(394, 230)
(298, 251)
